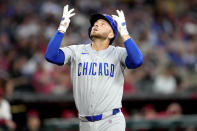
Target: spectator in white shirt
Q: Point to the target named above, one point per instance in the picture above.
(165, 82)
(5, 113)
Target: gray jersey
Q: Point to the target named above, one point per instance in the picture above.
(97, 77)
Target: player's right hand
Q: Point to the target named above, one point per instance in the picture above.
(67, 14)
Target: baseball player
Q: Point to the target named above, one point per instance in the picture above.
(97, 69)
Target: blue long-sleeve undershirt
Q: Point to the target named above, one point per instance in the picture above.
(55, 55)
(135, 57)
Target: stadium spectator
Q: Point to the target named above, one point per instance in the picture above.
(164, 33)
(174, 110)
(67, 114)
(165, 83)
(5, 114)
(33, 121)
(42, 79)
(149, 112)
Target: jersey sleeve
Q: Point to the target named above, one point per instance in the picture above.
(5, 110)
(69, 52)
(131, 55)
(122, 54)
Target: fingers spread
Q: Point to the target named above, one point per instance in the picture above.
(70, 11)
(119, 13)
(70, 15)
(66, 8)
(115, 17)
(122, 13)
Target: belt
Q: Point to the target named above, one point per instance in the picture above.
(100, 116)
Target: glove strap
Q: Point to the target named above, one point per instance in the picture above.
(123, 30)
(64, 25)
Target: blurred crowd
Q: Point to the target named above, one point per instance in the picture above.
(164, 30)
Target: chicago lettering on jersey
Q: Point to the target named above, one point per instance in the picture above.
(93, 68)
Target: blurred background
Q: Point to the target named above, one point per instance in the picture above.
(161, 95)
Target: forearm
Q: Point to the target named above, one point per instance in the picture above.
(135, 57)
(53, 53)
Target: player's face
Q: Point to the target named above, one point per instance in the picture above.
(102, 29)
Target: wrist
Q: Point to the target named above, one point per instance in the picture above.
(124, 31)
(64, 25)
(125, 37)
(61, 31)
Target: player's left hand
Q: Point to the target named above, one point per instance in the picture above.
(120, 19)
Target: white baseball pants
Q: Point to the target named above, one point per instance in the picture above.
(111, 123)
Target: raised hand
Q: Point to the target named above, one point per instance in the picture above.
(67, 14)
(120, 19)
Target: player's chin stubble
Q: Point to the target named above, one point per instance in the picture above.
(95, 35)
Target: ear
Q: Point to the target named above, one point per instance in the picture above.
(111, 35)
